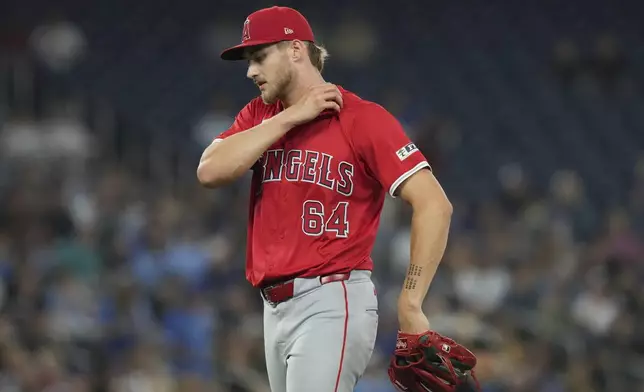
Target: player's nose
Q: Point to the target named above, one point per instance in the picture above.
(252, 72)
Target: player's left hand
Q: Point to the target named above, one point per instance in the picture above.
(412, 321)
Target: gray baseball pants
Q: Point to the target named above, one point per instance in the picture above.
(321, 340)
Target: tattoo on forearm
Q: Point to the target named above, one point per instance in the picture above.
(413, 272)
(410, 283)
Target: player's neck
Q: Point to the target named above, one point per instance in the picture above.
(299, 89)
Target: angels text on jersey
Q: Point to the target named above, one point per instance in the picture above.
(308, 166)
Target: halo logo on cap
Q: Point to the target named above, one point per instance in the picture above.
(246, 30)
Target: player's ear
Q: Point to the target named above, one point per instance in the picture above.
(296, 50)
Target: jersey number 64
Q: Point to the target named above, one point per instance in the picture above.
(315, 222)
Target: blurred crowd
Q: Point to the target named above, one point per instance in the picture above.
(112, 280)
(604, 64)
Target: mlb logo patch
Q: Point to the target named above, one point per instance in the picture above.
(406, 151)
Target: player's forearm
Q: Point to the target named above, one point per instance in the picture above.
(429, 232)
(226, 160)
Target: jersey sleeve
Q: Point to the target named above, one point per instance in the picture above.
(385, 148)
(244, 120)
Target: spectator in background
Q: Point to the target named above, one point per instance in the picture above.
(59, 43)
(68, 139)
(570, 212)
(216, 120)
(595, 309)
(127, 317)
(148, 256)
(620, 243)
(145, 371)
(71, 306)
(189, 325)
(608, 62)
(53, 376)
(21, 138)
(481, 286)
(567, 61)
(61, 139)
(354, 41)
(436, 137)
(243, 375)
(515, 195)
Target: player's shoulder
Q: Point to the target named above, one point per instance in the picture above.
(259, 110)
(364, 110)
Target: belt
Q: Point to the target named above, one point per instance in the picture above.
(284, 291)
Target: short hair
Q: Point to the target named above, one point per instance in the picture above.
(317, 53)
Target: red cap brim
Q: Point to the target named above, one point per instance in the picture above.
(237, 52)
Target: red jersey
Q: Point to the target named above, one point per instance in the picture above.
(317, 193)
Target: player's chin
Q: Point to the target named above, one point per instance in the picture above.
(268, 98)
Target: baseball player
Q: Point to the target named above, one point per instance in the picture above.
(322, 161)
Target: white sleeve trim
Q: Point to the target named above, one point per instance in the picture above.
(217, 140)
(405, 176)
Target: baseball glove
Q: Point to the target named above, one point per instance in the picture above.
(430, 362)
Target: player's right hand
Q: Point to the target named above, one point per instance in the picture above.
(321, 97)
